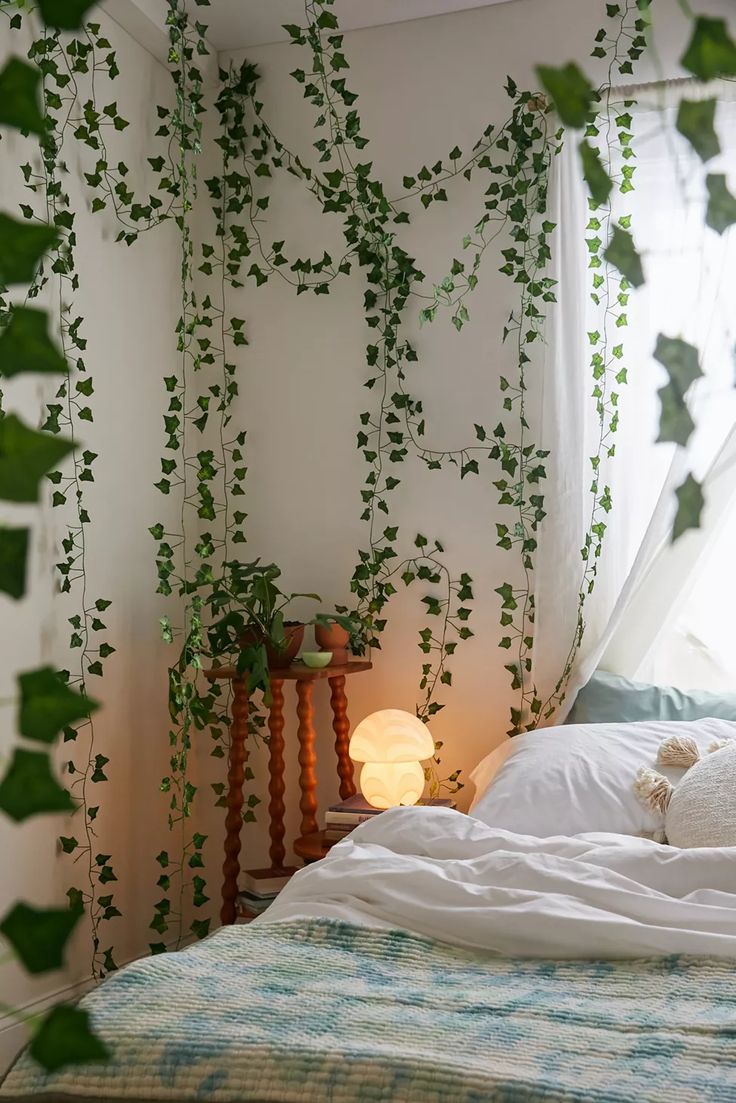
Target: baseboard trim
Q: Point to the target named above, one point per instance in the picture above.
(14, 1034)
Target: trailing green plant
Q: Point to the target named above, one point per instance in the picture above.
(189, 471)
(515, 202)
(608, 142)
(516, 158)
(247, 610)
(356, 627)
(47, 705)
(64, 63)
(371, 245)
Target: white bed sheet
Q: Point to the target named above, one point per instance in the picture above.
(448, 876)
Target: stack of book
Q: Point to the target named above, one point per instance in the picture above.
(342, 818)
(260, 887)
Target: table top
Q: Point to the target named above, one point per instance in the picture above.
(313, 847)
(297, 672)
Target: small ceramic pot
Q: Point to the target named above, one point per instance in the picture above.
(332, 637)
(278, 660)
(294, 633)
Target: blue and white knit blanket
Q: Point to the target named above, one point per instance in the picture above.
(321, 1010)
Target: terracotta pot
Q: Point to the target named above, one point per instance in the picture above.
(294, 633)
(277, 660)
(250, 638)
(332, 637)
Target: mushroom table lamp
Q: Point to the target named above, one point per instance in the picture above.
(391, 744)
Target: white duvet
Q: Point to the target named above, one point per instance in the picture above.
(448, 876)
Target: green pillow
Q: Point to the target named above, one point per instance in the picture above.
(609, 698)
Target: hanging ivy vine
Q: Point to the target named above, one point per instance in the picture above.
(516, 158)
(187, 471)
(64, 62)
(390, 272)
(47, 704)
(608, 141)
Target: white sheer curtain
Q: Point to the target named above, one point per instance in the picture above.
(652, 614)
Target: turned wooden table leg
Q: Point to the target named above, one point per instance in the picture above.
(307, 758)
(341, 728)
(276, 774)
(234, 819)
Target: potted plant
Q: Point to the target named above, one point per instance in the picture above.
(337, 632)
(248, 608)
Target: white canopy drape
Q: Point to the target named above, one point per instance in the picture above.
(691, 287)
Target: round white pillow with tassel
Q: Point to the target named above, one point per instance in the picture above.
(701, 810)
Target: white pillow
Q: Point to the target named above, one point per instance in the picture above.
(579, 777)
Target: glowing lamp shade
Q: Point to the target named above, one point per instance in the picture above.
(391, 744)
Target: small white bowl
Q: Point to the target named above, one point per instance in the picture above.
(316, 659)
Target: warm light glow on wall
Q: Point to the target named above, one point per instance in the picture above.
(391, 744)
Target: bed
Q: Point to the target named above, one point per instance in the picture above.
(435, 957)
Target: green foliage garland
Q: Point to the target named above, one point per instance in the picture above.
(47, 705)
(64, 63)
(515, 201)
(608, 138)
(187, 472)
(349, 189)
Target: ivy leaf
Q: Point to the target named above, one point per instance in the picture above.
(690, 503)
(596, 177)
(506, 593)
(200, 927)
(327, 21)
(681, 362)
(65, 1037)
(711, 51)
(622, 254)
(675, 423)
(29, 788)
(25, 345)
(25, 457)
(20, 103)
(39, 937)
(14, 545)
(47, 705)
(65, 15)
(571, 92)
(680, 359)
(22, 245)
(696, 122)
(721, 211)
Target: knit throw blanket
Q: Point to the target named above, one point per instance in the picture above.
(322, 1011)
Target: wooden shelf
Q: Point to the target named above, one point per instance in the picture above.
(297, 672)
(314, 846)
(311, 845)
(242, 912)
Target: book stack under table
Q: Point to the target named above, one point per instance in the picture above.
(342, 818)
(260, 887)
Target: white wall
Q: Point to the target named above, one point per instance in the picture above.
(128, 298)
(423, 87)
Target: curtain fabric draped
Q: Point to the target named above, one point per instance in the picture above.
(690, 289)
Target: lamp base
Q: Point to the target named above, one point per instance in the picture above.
(391, 784)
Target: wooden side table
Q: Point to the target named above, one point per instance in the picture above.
(310, 844)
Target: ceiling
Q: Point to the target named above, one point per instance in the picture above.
(235, 24)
